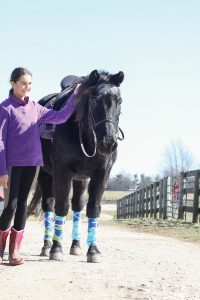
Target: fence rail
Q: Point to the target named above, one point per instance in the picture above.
(163, 200)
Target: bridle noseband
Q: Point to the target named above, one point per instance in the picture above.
(106, 120)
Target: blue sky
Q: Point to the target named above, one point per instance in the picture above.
(155, 43)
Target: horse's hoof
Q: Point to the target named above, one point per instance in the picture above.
(56, 252)
(46, 248)
(75, 248)
(58, 256)
(93, 258)
(93, 254)
(45, 251)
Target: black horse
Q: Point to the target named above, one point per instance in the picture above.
(84, 148)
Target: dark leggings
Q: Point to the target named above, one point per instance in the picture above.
(20, 182)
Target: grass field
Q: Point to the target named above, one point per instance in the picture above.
(176, 229)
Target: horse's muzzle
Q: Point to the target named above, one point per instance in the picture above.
(107, 146)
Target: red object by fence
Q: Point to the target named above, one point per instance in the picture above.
(175, 190)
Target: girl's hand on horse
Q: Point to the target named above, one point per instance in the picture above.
(77, 89)
(4, 181)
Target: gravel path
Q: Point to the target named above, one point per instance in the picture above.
(134, 266)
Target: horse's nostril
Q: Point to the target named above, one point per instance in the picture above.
(107, 146)
(114, 146)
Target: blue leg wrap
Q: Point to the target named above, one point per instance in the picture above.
(59, 226)
(49, 225)
(92, 231)
(76, 230)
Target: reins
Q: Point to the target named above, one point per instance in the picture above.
(81, 141)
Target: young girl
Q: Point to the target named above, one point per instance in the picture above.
(20, 154)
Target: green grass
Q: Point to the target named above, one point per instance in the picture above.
(176, 229)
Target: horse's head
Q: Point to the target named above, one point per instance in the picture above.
(99, 106)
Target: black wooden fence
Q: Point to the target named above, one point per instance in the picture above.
(161, 200)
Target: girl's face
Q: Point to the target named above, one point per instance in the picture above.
(22, 87)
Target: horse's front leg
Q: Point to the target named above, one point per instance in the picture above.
(77, 206)
(62, 184)
(95, 190)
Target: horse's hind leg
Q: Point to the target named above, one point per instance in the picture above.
(46, 184)
(77, 206)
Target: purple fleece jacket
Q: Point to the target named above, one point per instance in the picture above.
(19, 130)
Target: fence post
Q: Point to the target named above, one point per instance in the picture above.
(132, 205)
(124, 208)
(142, 202)
(118, 209)
(147, 200)
(181, 193)
(151, 200)
(134, 200)
(165, 198)
(135, 205)
(129, 206)
(196, 198)
(155, 200)
(160, 198)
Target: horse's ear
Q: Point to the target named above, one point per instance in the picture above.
(93, 77)
(117, 78)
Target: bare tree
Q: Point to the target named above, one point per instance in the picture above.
(176, 158)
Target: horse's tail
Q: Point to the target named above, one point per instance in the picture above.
(34, 201)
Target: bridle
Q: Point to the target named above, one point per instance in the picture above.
(93, 125)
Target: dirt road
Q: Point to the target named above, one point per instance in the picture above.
(134, 266)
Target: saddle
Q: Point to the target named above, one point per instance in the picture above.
(69, 80)
(56, 101)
